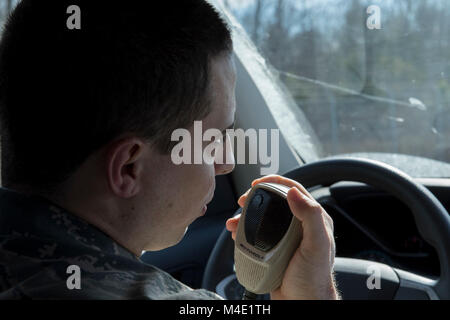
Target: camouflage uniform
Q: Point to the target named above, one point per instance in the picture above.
(39, 241)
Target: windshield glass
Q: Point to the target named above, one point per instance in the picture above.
(370, 76)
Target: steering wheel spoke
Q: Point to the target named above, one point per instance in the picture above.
(415, 287)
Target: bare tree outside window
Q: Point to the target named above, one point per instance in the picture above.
(363, 90)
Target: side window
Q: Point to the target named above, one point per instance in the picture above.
(5, 8)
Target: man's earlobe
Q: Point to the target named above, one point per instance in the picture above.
(124, 166)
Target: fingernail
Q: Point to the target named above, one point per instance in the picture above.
(256, 180)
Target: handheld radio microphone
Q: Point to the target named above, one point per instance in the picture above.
(267, 236)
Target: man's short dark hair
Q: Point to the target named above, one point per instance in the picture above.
(139, 67)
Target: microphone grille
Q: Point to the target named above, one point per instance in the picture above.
(267, 220)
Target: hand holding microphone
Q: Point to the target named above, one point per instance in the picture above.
(308, 274)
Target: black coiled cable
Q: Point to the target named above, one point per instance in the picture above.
(248, 295)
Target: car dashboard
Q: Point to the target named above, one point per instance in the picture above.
(372, 225)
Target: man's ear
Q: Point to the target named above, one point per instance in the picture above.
(124, 165)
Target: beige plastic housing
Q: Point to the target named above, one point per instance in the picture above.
(258, 271)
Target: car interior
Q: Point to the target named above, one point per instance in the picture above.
(374, 220)
(360, 128)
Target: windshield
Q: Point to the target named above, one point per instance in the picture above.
(371, 79)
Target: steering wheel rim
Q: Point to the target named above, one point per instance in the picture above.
(431, 218)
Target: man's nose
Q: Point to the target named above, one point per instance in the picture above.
(228, 164)
(224, 168)
(228, 159)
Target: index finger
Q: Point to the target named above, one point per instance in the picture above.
(285, 181)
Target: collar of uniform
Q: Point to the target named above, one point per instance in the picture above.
(36, 218)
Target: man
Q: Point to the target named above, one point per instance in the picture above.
(86, 116)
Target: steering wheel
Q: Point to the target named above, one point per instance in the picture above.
(431, 218)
